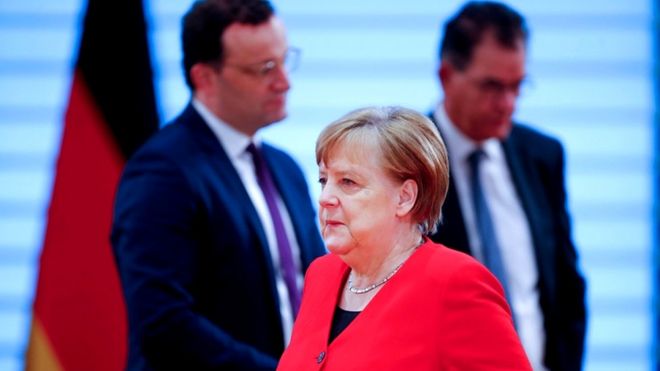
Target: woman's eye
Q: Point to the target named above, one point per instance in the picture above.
(346, 181)
(322, 181)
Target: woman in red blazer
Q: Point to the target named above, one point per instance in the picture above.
(388, 298)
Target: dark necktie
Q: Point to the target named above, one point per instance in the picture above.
(287, 266)
(489, 245)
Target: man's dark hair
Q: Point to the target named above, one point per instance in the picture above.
(206, 21)
(466, 29)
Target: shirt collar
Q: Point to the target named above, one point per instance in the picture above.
(233, 141)
(458, 144)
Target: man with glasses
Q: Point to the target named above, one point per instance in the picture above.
(213, 229)
(507, 201)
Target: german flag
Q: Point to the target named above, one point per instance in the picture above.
(79, 318)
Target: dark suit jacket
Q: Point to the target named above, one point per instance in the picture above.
(192, 254)
(441, 311)
(536, 163)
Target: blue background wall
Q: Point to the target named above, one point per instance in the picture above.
(591, 64)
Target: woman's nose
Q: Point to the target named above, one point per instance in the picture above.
(327, 197)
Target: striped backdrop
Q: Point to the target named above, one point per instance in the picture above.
(591, 64)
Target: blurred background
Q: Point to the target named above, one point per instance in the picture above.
(593, 67)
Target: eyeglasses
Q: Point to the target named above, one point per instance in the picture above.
(495, 88)
(262, 70)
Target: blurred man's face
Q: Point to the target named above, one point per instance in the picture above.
(481, 99)
(249, 89)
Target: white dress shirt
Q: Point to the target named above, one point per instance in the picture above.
(235, 144)
(511, 229)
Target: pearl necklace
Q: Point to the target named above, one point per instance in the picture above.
(356, 290)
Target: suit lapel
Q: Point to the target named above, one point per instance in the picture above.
(451, 231)
(235, 193)
(522, 173)
(293, 198)
(452, 228)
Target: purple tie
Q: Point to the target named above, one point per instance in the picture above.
(267, 185)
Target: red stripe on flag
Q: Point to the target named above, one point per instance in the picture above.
(78, 300)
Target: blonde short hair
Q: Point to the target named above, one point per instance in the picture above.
(410, 147)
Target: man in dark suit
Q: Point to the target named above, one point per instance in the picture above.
(213, 229)
(507, 201)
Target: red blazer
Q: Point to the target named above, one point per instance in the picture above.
(441, 311)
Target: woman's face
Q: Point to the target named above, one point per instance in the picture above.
(358, 202)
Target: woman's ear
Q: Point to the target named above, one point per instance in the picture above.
(407, 197)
